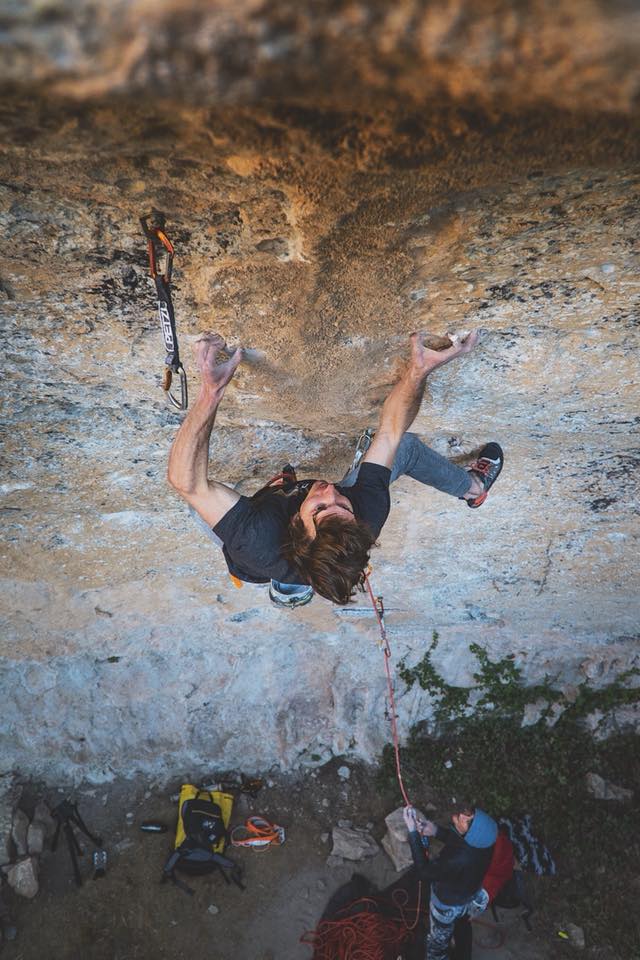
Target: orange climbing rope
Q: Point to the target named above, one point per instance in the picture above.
(365, 935)
(386, 649)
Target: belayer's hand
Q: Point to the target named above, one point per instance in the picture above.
(216, 373)
(423, 359)
(427, 828)
(409, 815)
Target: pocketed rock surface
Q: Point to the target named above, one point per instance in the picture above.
(318, 224)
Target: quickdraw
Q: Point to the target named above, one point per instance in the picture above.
(159, 246)
(258, 833)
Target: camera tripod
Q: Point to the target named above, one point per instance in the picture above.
(68, 816)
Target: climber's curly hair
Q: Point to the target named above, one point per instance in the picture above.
(335, 562)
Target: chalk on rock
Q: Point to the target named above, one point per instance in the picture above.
(19, 830)
(608, 268)
(353, 844)
(23, 877)
(344, 773)
(212, 909)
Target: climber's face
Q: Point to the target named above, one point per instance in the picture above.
(322, 501)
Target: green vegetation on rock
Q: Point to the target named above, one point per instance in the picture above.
(476, 747)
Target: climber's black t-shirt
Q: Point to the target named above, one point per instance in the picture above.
(254, 529)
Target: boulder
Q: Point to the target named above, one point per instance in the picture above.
(19, 830)
(395, 841)
(23, 876)
(350, 843)
(43, 815)
(601, 789)
(36, 835)
(9, 797)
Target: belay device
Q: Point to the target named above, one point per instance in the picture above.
(159, 245)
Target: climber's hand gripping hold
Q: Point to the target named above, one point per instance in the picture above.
(401, 406)
(214, 371)
(424, 360)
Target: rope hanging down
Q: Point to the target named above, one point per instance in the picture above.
(159, 246)
(378, 609)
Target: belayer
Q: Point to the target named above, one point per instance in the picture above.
(456, 875)
(314, 535)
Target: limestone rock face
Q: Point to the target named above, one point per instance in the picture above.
(575, 55)
(365, 174)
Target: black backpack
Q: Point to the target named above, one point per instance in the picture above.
(204, 830)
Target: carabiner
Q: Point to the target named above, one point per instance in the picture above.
(183, 402)
(155, 235)
(379, 608)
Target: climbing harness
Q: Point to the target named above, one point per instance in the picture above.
(378, 608)
(159, 246)
(257, 833)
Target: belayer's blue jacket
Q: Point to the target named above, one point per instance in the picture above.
(457, 872)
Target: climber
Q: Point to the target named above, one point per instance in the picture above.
(313, 534)
(456, 873)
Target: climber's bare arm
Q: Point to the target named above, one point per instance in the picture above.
(402, 405)
(189, 456)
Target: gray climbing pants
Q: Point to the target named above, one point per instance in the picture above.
(415, 459)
